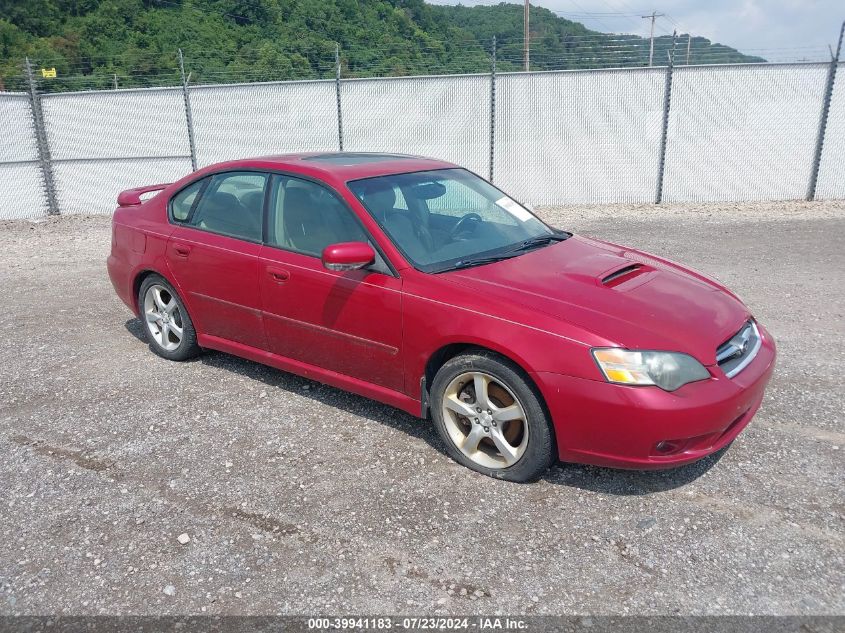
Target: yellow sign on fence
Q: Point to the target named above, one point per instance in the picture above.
(49, 73)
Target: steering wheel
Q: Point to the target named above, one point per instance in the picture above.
(464, 225)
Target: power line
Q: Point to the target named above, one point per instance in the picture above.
(597, 19)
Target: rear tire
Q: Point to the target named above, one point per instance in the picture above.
(491, 417)
(165, 321)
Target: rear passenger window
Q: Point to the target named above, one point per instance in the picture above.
(232, 205)
(182, 202)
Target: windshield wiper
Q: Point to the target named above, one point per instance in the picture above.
(477, 261)
(541, 240)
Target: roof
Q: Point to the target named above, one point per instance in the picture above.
(340, 165)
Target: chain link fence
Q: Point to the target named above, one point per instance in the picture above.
(742, 132)
(587, 136)
(100, 141)
(634, 135)
(22, 192)
(238, 121)
(831, 183)
(445, 117)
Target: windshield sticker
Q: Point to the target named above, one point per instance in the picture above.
(514, 208)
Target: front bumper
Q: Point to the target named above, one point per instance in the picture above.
(619, 426)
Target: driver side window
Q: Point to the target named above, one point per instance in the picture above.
(306, 217)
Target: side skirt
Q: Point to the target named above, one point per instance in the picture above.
(306, 370)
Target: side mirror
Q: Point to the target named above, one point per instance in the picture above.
(348, 256)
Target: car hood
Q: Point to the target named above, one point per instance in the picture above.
(631, 298)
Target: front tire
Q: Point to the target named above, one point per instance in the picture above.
(167, 326)
(491, 417)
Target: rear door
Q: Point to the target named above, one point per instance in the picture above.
(213, 254)
(347, 322)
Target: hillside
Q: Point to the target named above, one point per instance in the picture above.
(559, 43)
(102, 43)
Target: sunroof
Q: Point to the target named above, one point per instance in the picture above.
(352, 158)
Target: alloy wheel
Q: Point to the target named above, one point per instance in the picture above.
(163, 317)
(485, 420)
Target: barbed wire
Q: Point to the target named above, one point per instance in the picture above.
(316, 61)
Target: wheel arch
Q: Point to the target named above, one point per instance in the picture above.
(446, 352)
(139, 278)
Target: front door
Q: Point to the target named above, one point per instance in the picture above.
(347, 322)
(213, 254)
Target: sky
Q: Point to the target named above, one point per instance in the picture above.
(788, 29)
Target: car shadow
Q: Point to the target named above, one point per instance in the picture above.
(618, 482)
(326, 395)
(591, 478)
(136, 329)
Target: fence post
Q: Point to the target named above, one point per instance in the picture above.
(828, 93)
(189, 117)
(664, 134)
(41, 143)
(492, 108)
(337, 94)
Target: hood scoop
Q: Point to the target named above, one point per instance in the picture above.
(621, 275)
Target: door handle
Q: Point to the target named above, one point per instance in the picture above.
(181, 250)
(279, 275)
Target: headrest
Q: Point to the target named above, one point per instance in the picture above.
(253, 200)
(379, 197)
(221, 201)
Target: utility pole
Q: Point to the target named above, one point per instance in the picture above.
(526, 35)
(654, 15)
(689, 46)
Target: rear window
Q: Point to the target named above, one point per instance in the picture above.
(182, 202)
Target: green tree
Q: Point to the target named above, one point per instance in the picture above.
(91, 41)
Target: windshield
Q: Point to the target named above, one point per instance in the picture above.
(448, 218)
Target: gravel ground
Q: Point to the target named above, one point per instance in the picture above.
(298, 498)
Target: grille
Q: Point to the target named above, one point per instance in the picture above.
(737, 352)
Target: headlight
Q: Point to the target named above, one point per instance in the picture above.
(667, 370)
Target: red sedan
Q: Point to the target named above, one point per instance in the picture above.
(416, 283)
